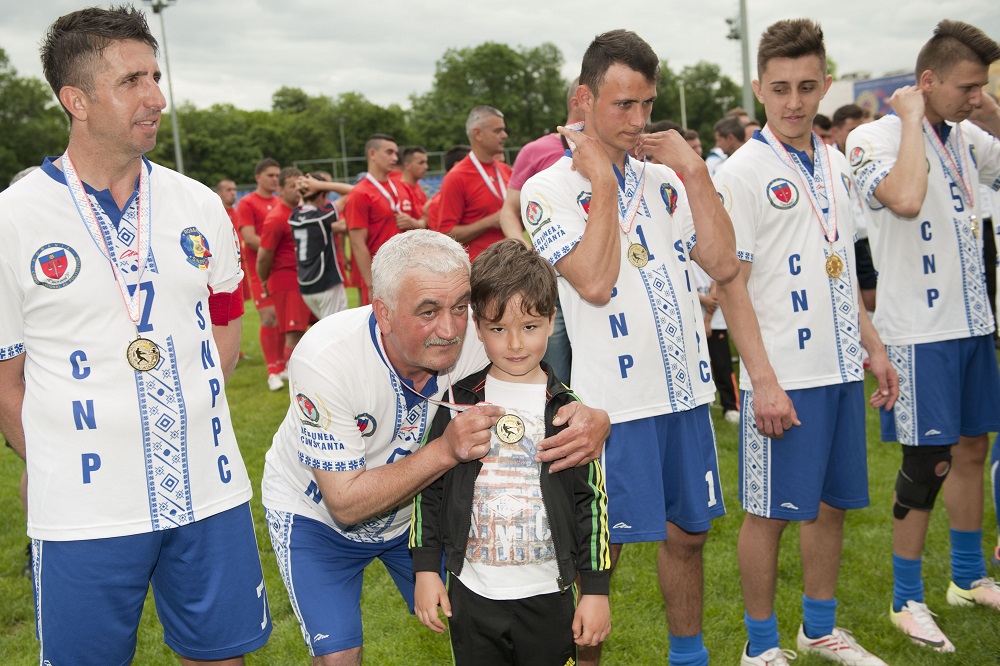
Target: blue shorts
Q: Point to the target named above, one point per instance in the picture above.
(662, 469)
(946, 389)
(207, 584)
(822, 460)
(324, 572)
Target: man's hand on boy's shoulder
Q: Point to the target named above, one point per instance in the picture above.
(592, 620)
(580, 443)
(428, 594)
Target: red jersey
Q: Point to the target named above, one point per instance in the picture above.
(367, 208)
(411, 197)
(251, 210)
(277, 237)
(434, 212)
(234, 218)
(465, 198)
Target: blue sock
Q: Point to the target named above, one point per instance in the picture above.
(967, 563)
(688, 651)
(908, 583)
(818, 616)
(995, 476)
(763, 634)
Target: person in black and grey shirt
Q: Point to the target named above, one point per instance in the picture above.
(313, 225)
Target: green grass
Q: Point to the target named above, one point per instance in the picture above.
(639, 634)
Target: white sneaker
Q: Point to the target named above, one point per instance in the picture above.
(732, 416)
(917, 621)
(838, 646)
(773, 657)
(984, 592)
(274, 382)
(283, 375)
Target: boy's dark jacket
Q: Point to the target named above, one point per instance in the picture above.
(574, 500)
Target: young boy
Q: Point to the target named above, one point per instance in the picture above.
(515, 536)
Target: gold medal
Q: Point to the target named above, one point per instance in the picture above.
(974, 225)
(510, 428)
(834, 266)
(637, 255)
(142, 354)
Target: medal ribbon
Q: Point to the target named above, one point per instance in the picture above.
(393, 203)
(820, 187)
(953, 160)
(628, 209)
(502, 194)
(108, 242)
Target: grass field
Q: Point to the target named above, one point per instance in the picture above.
(639, 634)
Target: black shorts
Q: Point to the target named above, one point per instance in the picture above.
(867, 275)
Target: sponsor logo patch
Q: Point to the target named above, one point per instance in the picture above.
(195, 246)
(782, 193)
(55, 265)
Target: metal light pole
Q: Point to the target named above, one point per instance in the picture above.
(343, 147)
(745, 44)
(158, 7)
(684, 108)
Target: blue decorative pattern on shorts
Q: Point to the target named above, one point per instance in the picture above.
(756, 488)
(904, 412)
(279, 526)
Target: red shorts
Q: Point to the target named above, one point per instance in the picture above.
(293, 313)
(259, 300)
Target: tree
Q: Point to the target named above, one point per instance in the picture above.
(525, 84)
(34, 125)
(708, 95)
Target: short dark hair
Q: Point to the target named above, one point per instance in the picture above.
(690, 134)
(848, 112)
(617, 46)
(75, 43)
(663, 126)
(265, 164)
(454, 155)
(791, 38)
(286, 173)
(821, 121)
(954, 42)
(375, 139)
(218, 185)
(410, 151)
(731, 126)
(507, 269)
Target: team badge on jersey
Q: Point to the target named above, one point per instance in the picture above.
(847, 182)
(366, 424)
(55, 265)
(857, 156)
(583, 200)
(195, 246)
(533, 213)
(782, 193)
(726, 197)
(308, 409)
(669, 194)
(236, 243)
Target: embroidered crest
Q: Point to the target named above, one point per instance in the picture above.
(308, 409)
(366, 424)
(782, 193)
(857, 156)
(533, 213)
(583, 199)
(55, 265)
(669, 194)
(195, 246)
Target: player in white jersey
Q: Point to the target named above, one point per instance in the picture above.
(365, 384)
(918, 170)
(793, 208)
(622, 233)
(121, 302)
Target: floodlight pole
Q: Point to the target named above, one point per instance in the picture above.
(343, 147)
(745, 44)
(158, 6)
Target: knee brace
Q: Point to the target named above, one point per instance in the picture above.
(920, 478)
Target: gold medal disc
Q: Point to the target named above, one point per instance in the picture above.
(834, 266)
(510, 429)
(142, 354)
(974, 225)
(637, 255)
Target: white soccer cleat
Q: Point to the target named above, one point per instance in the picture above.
(732, 416)
(917, 621)
(773, 657)
(984, 592)
(274, 382)
(839, 646)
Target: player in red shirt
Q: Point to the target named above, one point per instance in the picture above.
(373, 205)
(226, 189)
(277, 267)
(473, 193)
(252, 210)
(414, 199)
(452, 156)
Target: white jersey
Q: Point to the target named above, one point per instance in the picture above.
(643, 353)
(930, 268)
(350, 411)
(703, 284)
(113, 451)
(808, 322)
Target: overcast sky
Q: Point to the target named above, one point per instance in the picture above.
(241, 51)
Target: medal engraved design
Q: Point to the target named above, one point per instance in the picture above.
(510, 428)
(974, 225)
(834, 266)
(637, 255)
(142, 354)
